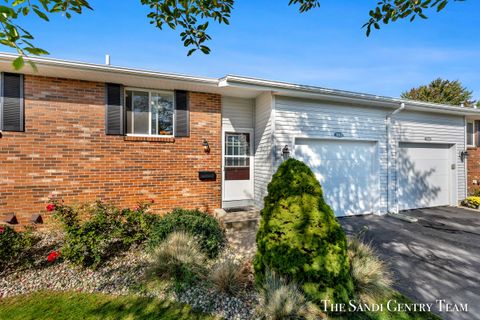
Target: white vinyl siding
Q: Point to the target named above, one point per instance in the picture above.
(237, 113)
(296, 118)
(420, 127)
(263, 146)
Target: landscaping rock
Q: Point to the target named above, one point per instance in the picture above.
(122, 275)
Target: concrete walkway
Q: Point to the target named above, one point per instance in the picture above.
(437, 257)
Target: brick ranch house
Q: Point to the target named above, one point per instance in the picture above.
(85, 131)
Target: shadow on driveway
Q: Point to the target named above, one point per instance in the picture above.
(436, 258)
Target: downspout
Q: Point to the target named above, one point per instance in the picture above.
(387, 126)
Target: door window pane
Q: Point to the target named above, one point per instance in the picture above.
(237, 150)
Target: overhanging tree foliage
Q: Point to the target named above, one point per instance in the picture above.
(441, 91)
(192, 17)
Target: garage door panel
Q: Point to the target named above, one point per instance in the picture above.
(435, 166)
(346, 171)
(423, 175)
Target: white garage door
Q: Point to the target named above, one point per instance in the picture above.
(424, 174)
(347, 171)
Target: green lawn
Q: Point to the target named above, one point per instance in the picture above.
(72, 306)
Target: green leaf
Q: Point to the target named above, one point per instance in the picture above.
(18, 63)
(33, 65)
(205, 49)
(36, 51)
(441, 6)
(41, 14)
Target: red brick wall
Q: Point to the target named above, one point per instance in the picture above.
(473, 169)
(65, 150)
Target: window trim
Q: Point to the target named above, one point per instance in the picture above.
(472, 122)
(149, 91)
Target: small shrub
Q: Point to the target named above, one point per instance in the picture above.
(371, 277)
(299, 237)
(279, 300)
(13, 244)
(471, 202)
(229, 276)
(179, 258)
(96, 231)
(201, 225)
(87, 242)
(136, 224)
(475, 192)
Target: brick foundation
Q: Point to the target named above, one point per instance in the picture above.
(64, 150)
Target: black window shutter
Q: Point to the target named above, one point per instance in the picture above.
(182, 114)
(114, 113)
(12, 107)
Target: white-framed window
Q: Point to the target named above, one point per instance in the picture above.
(149, 112)
(470, 133)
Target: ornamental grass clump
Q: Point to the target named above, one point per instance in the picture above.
(371, 277)
(279, 299)
(299, 237)
(178, 258)
(229, 276)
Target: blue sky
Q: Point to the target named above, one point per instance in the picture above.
(269, 39)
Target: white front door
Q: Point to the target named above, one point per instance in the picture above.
(424, 175)
(238, 169)
(347, 172)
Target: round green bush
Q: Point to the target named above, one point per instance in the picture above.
(201, 225)
(299, 237)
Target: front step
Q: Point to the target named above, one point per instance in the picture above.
(246, 219)
(240, 225)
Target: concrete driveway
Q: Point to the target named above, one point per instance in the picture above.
(436, 258)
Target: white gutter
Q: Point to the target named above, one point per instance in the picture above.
(288, 88)
(8, 57)
(388, 120)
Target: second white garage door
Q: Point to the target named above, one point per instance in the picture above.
(347, 171)
(424, 175)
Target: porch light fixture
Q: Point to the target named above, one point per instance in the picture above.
(206, 146)
(463, 155)
(285, 152)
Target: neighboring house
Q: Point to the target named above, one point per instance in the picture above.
(86, 131)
